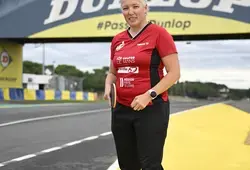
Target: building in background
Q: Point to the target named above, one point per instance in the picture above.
(55, 82)
(36, 82)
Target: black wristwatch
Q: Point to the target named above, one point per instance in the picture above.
(152, 94)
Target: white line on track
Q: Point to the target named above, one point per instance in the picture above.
(91, 138)
(106, 133)
(114, 166)
(54, 149)
(24, 157)
(52, 117)
(73, 143)
(50, 150)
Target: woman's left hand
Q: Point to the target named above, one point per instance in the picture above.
(141, 101)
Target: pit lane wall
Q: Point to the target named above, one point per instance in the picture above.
(19, 94)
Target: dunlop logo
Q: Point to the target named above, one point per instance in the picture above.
(84, 7)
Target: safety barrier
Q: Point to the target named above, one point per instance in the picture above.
(30, 94)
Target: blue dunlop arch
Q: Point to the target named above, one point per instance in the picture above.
(180, 17)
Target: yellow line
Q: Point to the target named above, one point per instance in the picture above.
(210, 137)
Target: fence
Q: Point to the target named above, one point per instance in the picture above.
(30, 94)
(65, 83)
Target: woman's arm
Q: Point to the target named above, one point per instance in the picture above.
(169, 56)
(172, 66)
(110, 78)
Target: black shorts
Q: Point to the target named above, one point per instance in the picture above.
(140, 135)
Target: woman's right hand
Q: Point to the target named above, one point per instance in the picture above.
(106, 95)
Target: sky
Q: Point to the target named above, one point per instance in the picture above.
(224, 62)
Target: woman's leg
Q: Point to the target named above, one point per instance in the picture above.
(151, 131)
(124, 137)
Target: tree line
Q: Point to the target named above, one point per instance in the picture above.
(95, 81)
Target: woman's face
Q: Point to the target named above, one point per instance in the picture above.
(134, 11)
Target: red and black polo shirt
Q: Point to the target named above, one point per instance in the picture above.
(138, 61)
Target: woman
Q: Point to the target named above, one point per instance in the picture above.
(140, 118)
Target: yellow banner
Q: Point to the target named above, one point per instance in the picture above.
(175, 23)
(11, 66)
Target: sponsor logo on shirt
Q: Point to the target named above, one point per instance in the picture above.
(119, 60)
(128, 69)
(125, 60)
(119, 47)
(127, 82)
(142, 44)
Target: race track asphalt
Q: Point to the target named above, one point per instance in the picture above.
(26, 140)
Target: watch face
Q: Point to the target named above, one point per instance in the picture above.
(153, 94)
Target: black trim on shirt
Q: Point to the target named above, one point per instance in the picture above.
(154, 74)
(139, 32)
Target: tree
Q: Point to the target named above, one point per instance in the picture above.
(237, 94)
(68, 70)
(248, 93)
(32, 67)
(50, 67)
(95, 81)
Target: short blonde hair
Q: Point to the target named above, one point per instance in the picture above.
(144, 2)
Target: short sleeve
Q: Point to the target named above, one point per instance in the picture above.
(112, 49)
(165, 43)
